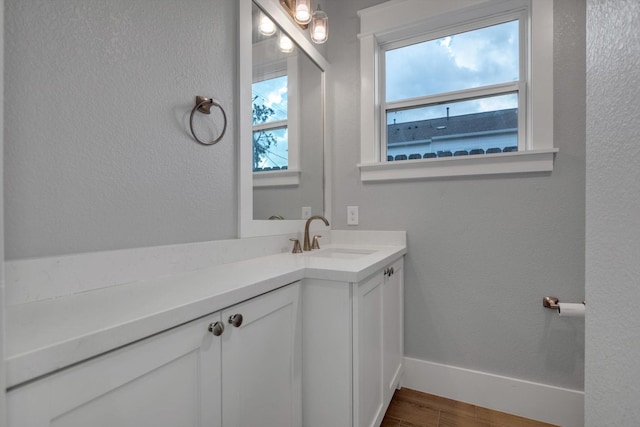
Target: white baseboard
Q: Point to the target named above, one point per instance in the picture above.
(554, 405)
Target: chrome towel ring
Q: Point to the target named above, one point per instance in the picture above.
(204, 105)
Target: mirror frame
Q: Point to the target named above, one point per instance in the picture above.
(247, 226)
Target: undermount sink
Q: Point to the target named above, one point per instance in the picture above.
(341, 253)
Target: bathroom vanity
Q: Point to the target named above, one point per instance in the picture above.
(353, 363)
(310, 339)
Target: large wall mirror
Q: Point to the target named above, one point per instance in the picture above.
(283, 141)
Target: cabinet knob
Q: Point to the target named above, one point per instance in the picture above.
(386, 271)
(216, 328)
(235, 320)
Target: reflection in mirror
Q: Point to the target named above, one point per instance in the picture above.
(287, 125)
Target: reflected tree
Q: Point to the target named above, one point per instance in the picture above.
(262, 140)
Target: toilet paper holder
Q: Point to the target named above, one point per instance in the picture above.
(553, 302)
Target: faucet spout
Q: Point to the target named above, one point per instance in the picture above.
(307, 245)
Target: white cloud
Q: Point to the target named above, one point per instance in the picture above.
(275, 97)
(461, 61)
(272, 93)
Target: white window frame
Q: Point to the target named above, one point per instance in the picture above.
(291, 175)
(398, 21)
(276, 124)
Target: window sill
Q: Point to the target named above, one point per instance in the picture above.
(281, 178)
(485, 164)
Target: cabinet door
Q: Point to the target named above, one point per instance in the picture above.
(327, 353)
(171, 379)
(393, 331)
(261, 363)
(368, 352)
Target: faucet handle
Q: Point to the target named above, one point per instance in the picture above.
(296, 246)
(315, 244)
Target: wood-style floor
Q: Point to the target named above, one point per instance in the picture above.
(410, 408)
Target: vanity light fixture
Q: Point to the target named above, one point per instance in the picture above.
(300, 11)
(319, 27)
(266, 25)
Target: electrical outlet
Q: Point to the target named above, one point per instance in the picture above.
(306, 212)
(352, 215)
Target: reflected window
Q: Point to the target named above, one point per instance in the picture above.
(270, 124)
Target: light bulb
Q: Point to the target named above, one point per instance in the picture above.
(319, 35)
(302, 13)
(286, 45)
(266, 26)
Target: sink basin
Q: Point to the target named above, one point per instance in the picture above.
(341, 253)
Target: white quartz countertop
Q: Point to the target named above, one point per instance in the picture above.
(48, 335)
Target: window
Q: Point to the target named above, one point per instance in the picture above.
(270, 128)
(275, 98)
(451, 89)
(456, 94)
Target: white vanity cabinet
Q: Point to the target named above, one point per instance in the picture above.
(249, 375)
(352, 348)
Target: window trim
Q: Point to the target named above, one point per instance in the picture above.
(277, 178)
(414, 19)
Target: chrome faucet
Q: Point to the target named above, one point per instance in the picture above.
(307, 246)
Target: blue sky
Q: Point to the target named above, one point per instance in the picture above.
(476, 58)
(273, 93)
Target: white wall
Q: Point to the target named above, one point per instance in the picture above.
(482, 252)
(612, 382)
(98, 154)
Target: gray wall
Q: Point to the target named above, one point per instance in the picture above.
(3, 410)
(482, 252)
(98, 154)
(612, 382)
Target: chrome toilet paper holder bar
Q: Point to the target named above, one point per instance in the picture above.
(553, 302)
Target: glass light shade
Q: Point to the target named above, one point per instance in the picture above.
(302, 12)
(319, 27)
(285, 44)
(266, 25)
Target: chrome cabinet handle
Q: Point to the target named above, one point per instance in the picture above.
(235, 320)
(216, 328)
(386, 271)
